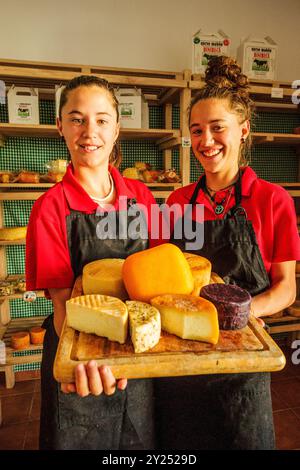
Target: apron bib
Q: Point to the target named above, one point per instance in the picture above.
(123, 420)
(220, 411)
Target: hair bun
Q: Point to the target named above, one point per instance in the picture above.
(224, 72)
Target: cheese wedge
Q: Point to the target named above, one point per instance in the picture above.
(104, 276)
(201, 270)
(99, 314)
(159, 270)
(144, 325)
(188, 317)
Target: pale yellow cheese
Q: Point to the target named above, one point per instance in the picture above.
(104, 276)
(144, 325)
(188, 317)
(201, 270)
(99, 314)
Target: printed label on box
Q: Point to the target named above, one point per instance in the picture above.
(127, 110)
(277, 92)
(185, 141)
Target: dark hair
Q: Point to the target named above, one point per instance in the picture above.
(225, 80)
(91, 80)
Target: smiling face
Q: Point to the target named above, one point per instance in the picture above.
(216, 134)
(89, 125)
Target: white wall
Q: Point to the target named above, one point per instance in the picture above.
(153, 34)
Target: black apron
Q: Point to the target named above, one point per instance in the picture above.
(123, 420)
(220, 411)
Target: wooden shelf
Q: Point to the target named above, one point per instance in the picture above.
(160, 136)
(12, 242)
(17, 191)
(19, 295)
(257, 87)
(157, 86)
(275, 138)
(19, 324)
(283, 324)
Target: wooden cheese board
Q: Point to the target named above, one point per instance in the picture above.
(250, 349)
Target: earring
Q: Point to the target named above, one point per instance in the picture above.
(243, 140)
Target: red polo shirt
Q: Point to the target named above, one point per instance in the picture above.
(48, 263)
(270, 209)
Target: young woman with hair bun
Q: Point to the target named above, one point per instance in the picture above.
(251, 238)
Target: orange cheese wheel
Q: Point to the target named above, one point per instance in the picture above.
(20, 340)
(157, 271)
(37, 335)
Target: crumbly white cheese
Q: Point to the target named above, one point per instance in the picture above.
(144, 325)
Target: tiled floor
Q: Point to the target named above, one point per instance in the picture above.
(20, 410)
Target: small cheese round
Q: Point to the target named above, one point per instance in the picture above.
(104, 276)
(37, 334)
(232, 303)
(20, 340)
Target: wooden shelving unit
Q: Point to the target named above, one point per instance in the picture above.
(162, 137)
(160, 88)
(14, 357)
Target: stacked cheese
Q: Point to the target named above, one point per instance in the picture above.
(163, 276)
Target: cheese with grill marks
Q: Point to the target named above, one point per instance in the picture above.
(101, 315)
(144, 325)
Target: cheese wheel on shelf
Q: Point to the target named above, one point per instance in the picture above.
(144, 325)
(101, 315)
(12, 233)
(188, 317)
(20, 340)
(201, 270)
(37, 334)
(104, 276)
(159, 270)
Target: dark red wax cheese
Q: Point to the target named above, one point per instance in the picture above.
(231, 302)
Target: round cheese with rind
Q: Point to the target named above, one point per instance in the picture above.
(159, 270)
(104, 276)
(232, 303)
(201, 270)
(188, 317)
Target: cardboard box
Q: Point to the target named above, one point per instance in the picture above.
(23, 105)
(206, 46)
(133, 108)
(258, 57)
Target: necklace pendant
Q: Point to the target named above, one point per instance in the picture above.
(219, 209)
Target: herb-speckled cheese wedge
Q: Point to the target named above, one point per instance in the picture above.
(144, 325)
